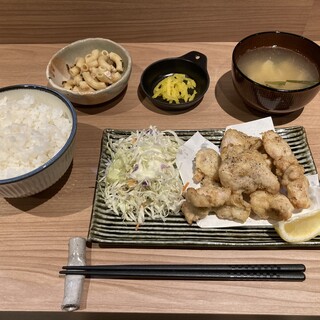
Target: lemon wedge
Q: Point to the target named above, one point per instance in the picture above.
(300, 229)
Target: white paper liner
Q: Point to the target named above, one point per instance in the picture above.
(73, 284)
(186, 155)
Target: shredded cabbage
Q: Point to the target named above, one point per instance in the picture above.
(142, 178)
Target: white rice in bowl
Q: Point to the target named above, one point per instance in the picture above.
(32, 131)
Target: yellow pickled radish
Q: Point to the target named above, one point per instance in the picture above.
(300, 229)
(175, 88)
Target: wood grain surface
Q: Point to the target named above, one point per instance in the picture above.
(34, 231)
(32, 21)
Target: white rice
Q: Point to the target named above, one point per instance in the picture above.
(31, 133)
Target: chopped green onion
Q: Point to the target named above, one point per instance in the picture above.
(275, 83)
(303, 81)
(283, 83)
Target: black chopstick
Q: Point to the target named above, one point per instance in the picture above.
(275, 272)
(189, 275)
(194, 267)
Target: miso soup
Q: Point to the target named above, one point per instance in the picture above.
(278, 68)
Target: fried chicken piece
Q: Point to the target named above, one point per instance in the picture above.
(231, 151)
(192, 213)
(290, 172)
(207, 162)
(279, 150)
(235, 208)
(297, 186)
(235, 137)
(208, 196)
(275, 206)
(247, 171)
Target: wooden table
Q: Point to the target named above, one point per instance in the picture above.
(34, 231)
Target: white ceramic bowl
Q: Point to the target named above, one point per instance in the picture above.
(57, 70)
(50, 172)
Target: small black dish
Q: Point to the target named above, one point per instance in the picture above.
(193, 64)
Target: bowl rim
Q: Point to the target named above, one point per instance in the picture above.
(66, 144)
(90, 93)
(261, 85)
